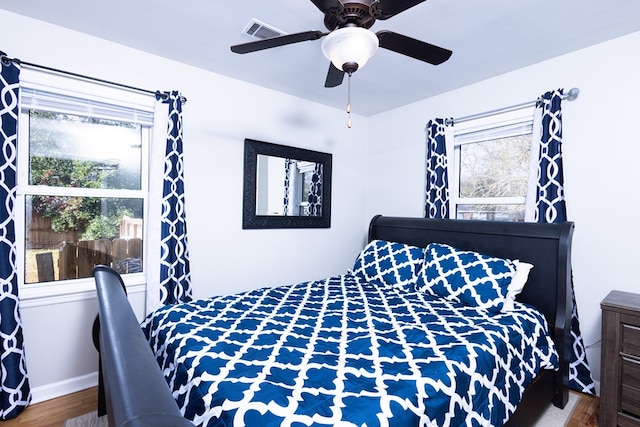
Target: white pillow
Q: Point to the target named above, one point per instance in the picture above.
(517, 283)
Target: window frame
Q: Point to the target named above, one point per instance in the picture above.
(483, 124)
(34, 79)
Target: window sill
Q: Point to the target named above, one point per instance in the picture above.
(41, 294)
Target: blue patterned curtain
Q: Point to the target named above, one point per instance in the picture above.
(551, 208)
(15, 393)
(437, 180)
(287, 184)
(175, 275)
(315, 192)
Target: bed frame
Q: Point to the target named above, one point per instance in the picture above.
(133, 389)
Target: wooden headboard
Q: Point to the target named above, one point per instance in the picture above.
(546, 246)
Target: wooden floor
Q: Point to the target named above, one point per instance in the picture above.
(54, 412)
(585, 413)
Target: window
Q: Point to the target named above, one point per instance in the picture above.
(490, 170)
(82, 179)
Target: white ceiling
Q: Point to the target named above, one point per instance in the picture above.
(487, 37)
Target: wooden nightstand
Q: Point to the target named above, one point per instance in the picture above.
(620, 363)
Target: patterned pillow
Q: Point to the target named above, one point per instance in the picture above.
(471, 278)
(391, 263)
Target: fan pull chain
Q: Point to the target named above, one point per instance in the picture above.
(349, 102)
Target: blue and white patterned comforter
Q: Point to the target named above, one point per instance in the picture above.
(343, 352)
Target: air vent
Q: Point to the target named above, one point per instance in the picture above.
(260, 30)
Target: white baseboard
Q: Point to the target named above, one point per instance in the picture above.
(71, 385)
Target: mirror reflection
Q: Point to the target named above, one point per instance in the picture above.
(285, 187)
(288, 187)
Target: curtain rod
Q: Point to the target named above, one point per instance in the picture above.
(6, 60)
(569, 96)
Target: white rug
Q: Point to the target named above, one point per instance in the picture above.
(87, 420)
(556, 417)
(552, 417)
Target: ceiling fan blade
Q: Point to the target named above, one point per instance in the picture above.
(416, 49)
(334, 76)
(326, 5)
(277, 41)
(389, 8)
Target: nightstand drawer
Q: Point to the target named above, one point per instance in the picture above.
(628, 421)
(631, 340)
(630, 387)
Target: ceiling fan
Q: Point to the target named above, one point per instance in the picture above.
(349, 42)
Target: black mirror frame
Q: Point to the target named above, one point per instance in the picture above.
(250, 220)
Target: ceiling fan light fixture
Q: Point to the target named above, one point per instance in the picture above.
(347, 46)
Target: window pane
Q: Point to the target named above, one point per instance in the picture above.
(495, 168)
(76, 151)
(491, 212)
(67, 236)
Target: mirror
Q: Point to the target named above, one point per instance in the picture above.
(285, 187)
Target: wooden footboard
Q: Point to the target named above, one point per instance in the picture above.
(136, 393)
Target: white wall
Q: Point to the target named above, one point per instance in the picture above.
(601, 151)
(219, 114)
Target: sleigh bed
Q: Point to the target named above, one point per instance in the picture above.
(390, 342)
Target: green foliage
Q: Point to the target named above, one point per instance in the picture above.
(104, 226)
(52, 165)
